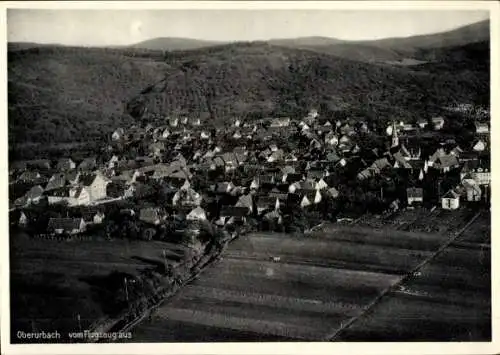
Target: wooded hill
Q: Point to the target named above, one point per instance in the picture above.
(67, 94)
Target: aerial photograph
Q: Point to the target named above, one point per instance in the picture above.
(263, 175)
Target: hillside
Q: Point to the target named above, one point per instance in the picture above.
(407, 49)
(173, 44)
(476, 32)
(65, 94)
(250, 78)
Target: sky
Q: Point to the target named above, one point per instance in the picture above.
(123, 27)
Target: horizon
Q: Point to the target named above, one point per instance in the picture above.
(88, 28)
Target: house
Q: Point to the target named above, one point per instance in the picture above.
(56, 181)
(276, 156)
(265, 203)
(321, 184)
(118, 134)
(310, 197)
(157, 149)
(363, 128)
(205, 135)
(223, 187)
(29, 176)
(482, 128)
(187, 197)
(477, 170)
(23, 219)
(415, 195)
(280, 122)
(65, 164)
(229, 160)
(472, 190)
(422, 123)
(407, 127)
(450, 200)
(313, 113)
(197, 214)
(173, 122)
(277, 194)
(479, 145)
(88, 164)
(400, 162)
(151, 215)
(290, 157)
(78, 196)
(196, 122)
(446, 162)
(331, 139)
(232, 214)
(245, 201)
(66, 225)
(255, 184)
(96, 185)
(93, 217)
(273, 216)
(166, 133)
(117, 189)
(113, 162)
(437, 123)
(34, 195)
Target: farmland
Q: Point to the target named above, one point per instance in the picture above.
(324, 286)
(67, 278)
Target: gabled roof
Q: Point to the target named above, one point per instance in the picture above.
(66, 224)
(451, 194)
(35, 192)
(57, 181)
(88, 163)
(245, 201)
(446, 161)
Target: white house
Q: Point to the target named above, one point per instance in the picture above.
(321, 184)
(204, 135)
(482, 128)
(479, 145)
(415, 194)
(438, 123)
(96, 185)
(450, 201)
(118, 134)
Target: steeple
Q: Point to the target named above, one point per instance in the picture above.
(395, 138)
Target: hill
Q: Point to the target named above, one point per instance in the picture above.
(406, 49)
(476, 32)
(250, 78)
(173, 44)
(64, 94)
(67, 94)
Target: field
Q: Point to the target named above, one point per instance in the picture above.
(54, 281)
(328, 286)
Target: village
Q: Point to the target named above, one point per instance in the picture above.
(276, 174)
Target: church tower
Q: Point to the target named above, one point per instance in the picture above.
(395, 138)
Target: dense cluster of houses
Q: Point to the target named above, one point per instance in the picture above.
(245, 169)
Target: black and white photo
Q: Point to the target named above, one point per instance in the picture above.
(257, 175)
